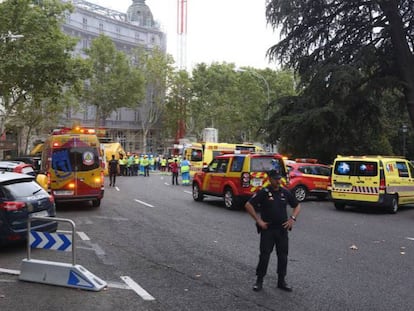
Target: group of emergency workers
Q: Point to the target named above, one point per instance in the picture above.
(132, 164)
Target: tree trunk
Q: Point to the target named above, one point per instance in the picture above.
(403, 54)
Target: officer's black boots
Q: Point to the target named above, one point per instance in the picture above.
(281, 283)
(257, 287)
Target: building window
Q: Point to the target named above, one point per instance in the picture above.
(101, 27)
(118, 115)
(85, 44)
(68, 113)
(68, 17)
(118, 31)
(137, 36)
(85, 113)
(85, 23)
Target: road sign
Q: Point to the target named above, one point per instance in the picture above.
(53, 241)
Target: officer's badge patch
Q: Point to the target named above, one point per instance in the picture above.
(270, 196)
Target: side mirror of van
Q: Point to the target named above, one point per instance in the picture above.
(41, 179)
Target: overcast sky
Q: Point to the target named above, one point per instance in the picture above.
(232, 31)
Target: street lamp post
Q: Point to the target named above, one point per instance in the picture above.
(404, 130)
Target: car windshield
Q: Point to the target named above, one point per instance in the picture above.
(263, 164)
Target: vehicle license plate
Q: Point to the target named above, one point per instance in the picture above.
(343, 186)
(40, 214)
(257, 182)
(63, 192)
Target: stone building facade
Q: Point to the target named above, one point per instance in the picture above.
(135, 28)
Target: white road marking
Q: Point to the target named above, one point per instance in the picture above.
(189, 192)
(136, 288)
(118, 285)
(112, 218)
(143, 203)
(167, 184)
(83, 236)
(9, 271)
(408, 238)
(116, 187)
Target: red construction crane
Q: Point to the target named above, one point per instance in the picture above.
(182, 62)
(182, 33)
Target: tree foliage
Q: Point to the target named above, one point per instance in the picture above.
(114, 82)
(156, 67)
(176, 118)
(36, 65)
(235, 101)
(354, 59)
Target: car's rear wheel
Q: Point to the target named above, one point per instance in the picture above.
(230, 201)
(300, 193)
(96, 203)
(339, 206)
(197, 194)
(394, 205)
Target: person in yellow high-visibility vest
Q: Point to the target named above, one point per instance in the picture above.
(122, 164)
(185, 171)
(163, 164)
(146, 164)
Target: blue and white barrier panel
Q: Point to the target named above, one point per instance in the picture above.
(53, 241)
(56, 273)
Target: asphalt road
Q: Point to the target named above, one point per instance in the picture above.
(159, 250)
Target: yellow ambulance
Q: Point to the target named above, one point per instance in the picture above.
(110, 149)
(377, 181)
(72, 162)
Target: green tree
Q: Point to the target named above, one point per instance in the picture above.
(260, 91)
(364, 47)
(157, 69)
(36, 65)
(215, 101)
(236, 101)
(338, 115)
(176, 117)
(114, 82)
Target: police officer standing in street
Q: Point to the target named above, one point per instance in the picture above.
(273, 225)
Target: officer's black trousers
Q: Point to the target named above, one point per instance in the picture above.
(268, 239)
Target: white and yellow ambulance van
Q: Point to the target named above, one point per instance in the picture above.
(377, 181)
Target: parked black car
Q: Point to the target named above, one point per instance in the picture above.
(21, 196)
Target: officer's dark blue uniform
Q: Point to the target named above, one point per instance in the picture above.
(272, 202)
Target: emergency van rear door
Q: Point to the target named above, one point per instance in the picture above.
(72, 164)
(356, 180)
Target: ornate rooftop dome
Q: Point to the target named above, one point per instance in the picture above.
(140, 14)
